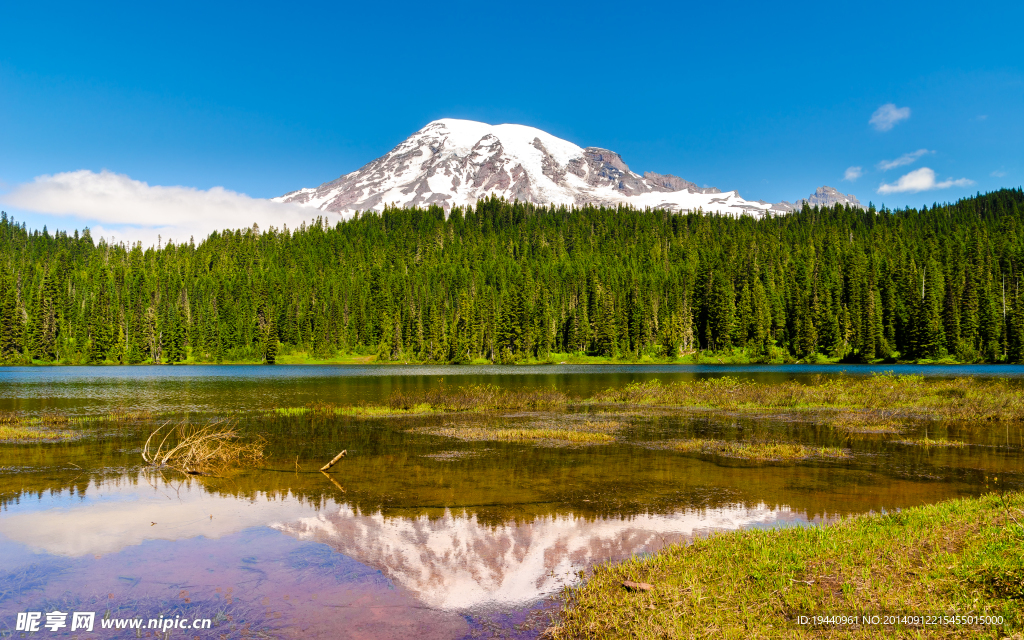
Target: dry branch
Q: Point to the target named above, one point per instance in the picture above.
(334, 461)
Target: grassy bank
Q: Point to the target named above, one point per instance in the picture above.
(964, 556)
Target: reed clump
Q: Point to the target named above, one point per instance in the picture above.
(767, 451)
(201, 449)
(929, 442)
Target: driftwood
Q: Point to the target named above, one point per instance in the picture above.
(637, 586)
(334, 461)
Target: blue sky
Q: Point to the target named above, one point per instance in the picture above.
(771, 100)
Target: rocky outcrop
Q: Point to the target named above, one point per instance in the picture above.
(822, 197)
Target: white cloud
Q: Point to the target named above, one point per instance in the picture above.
(906, 158)
(886, 116)
(922, 179)
(852, 173)
(998, 174)
(113, 204)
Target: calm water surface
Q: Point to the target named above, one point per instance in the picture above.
(413, 534)
(240, 387)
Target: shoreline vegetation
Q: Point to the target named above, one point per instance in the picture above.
(882, 404)
(959, 557)
(729, 357)
(509, 282)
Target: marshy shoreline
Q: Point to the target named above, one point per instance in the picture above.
(960, 557)
(460, 444)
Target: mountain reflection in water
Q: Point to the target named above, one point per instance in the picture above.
(452, 562)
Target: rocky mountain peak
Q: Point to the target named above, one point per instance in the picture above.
(454, 163)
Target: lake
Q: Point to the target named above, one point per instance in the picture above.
(412, 533)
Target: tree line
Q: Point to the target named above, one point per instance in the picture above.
(513, 282)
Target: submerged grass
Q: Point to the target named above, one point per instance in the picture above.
(21, 433)
(963, 556)
(758, 451)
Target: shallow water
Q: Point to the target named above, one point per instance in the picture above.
(412, 534)
(250, 387)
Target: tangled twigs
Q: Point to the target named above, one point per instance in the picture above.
(197, 450)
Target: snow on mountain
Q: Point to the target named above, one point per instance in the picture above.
(458, 162)
(822, 197)
(458, 563)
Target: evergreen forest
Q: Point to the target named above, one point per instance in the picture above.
(512, 282)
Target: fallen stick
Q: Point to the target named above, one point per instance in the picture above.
(334, 462)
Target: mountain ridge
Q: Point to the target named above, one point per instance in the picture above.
(453, 163)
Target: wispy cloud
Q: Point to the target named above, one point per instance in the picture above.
(852, 173)
(113, 203)
(922, 179)
(906, 158)
(886, 116)
(998, 174)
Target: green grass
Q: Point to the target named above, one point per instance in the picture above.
(955, 557)
(302, 357)
(22, 433)
(507, 434)
(874, 404)
(758, 451)
(472, 398)
(356, 411)
(53, 427)
(928, 442)
(877, 402)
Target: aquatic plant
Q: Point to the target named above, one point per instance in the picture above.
(928, 442)
(479, 397)
(22, 433)
(768, 451)
(510, 434)
(877, 398)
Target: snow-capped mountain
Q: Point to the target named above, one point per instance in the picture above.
(458, 563)
(822, 197)
(458, 162)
